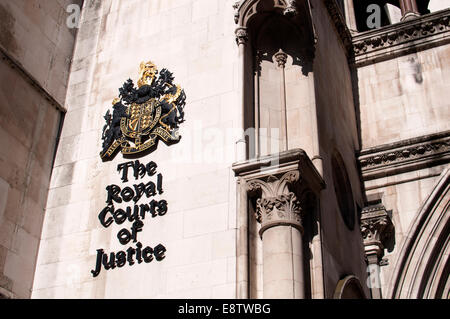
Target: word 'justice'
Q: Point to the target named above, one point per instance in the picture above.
(135, 213)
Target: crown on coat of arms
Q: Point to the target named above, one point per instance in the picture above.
(142, 115)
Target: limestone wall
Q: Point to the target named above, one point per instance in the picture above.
(404, 97)
(36, 47)
(194, 39)
(401, 99)
(343, 248)
(35, 33)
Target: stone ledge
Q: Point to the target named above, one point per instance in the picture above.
(402, 38)
(277, 163)
(405, 156)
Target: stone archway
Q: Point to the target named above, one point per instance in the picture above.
(349, 287)
(422, 269)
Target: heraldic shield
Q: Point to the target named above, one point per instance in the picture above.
(142, 115)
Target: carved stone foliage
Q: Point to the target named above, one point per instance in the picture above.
(291, 8)
(376, 229)
(283, 207)
(241, 35)
(406, 153)
(275, 203)
(401, 35)
(394, 40)
(419, 33)
(410, 154)
(281, 58)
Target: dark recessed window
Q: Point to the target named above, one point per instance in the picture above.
(343, 190)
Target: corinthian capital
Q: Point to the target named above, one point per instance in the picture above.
(376, 229)
(291, 8)
(281, 210)
(241, 35)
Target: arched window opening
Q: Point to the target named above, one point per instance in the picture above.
(343, 191)
(279, 50)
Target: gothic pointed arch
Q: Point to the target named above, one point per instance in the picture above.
(422, 269)
(276, 40)
(349, 287)
(250, 15)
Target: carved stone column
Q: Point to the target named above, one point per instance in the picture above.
(377, 230)
(274, 190)
(279, 213)
(241, 40)
(409, 9)
(281, 59)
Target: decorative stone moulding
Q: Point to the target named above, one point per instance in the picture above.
(411, 35)
(405, 156)
(376, 229)
(277, 205)
(402, 38)
(275, 182)
(298, 11)
(338, 20)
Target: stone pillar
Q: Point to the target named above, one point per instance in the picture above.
(350, 16)
(257, 73)
(241, 40)
(409, 9)
(273, 183)
(280, 215)
(281, 58)
(376, 229)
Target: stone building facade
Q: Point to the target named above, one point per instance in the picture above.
(313, 161)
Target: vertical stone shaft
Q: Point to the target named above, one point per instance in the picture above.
(279, 213)
(242, 246)
(241, 39)
(256, 94)
(283, 275)
(281, 59)
(377, 231)
(374, 267)
(409, 9)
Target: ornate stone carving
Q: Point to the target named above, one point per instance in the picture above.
(291, 8)
(411, 154)
(280, 58)
(276, 205)
(341, 26)
(241, 35)
(282, 210)
(400, 38)
(236, 11)
(376, 229)
(286, 207)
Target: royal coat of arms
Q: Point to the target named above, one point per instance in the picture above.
(140, 116)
